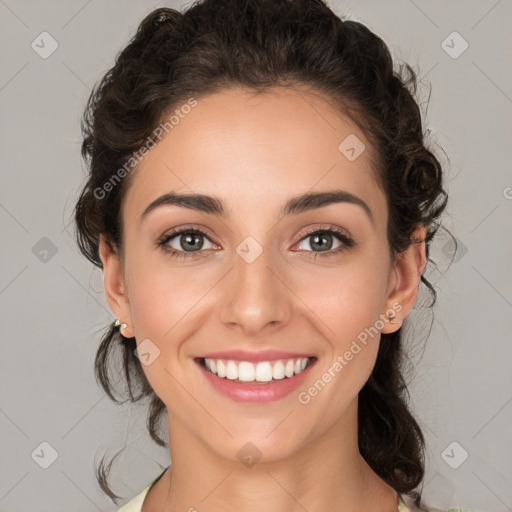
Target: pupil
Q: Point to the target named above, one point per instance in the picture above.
(190, 238)
(322, 247)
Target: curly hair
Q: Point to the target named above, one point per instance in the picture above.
(258, 44)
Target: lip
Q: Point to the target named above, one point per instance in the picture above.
(254, 356)
(255, 392)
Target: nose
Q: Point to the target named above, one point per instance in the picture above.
(255, 296)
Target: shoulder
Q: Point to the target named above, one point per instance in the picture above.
(407, 506)
(135, 504)
(453, 510)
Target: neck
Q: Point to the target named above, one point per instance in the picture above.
(326, 470)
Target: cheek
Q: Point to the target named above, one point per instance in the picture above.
(347, 304)
(162, 297)
(347, 300)
(349, 309)
(165, 306)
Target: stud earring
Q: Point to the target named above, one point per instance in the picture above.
(391, 317)
(118, 323)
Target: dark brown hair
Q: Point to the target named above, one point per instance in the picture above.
(258, 44)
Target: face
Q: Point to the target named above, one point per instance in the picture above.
(259, 278)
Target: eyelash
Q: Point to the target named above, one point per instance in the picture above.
(347, 242)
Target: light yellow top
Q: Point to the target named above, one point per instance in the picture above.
(135, 504)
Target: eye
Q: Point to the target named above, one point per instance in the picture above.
(189, 242)
(322, 239)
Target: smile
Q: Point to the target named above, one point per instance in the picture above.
(264, 371)
(262, 381)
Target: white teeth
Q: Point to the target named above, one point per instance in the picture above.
(264, 371)
(231, 370)
(221, 367)
(246, 371)
(289, 368)
(278, 370)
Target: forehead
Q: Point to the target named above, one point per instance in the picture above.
(257, 149)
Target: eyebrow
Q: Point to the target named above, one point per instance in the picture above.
(299, 204)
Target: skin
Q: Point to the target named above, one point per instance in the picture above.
(253, 151)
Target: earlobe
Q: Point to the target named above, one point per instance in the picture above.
(408, 268)
(113, 282)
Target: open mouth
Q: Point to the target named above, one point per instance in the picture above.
(263, 372)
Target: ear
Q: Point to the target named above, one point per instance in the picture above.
(115, 289)
(405, 279)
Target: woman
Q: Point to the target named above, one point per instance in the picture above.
(261, 202)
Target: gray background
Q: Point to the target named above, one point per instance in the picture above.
(52, 303)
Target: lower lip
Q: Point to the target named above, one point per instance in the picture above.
(255, 391)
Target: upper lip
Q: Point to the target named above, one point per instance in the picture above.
(254, 356)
